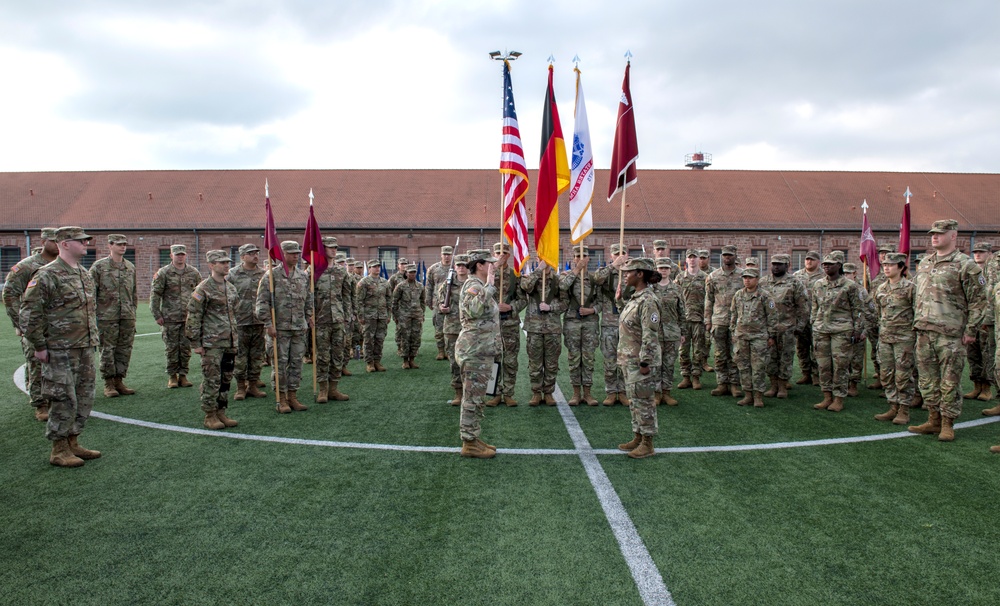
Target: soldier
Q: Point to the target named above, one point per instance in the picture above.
(791, 312)
(581, 326)
(640, 356)
(703, 261)
(250, 349)
(13, 293)
(981, 352)
(660, 250)
(694, 347)
(808, 275)
(673, 317)
(408, 305)
(475, 349)
(168, 297)
(720, 287)
(607, 278)
(751, 262)
(894, 304)
(334, 300)
(447, 297)
(884, 249)
(436, 273)
(541, 323)
(949, 309)
(394, 280)
(869, 323)
(510, 301)
(287, 314)
(59, 319)
(836, 326)
(114, 279)
(753, 323)
(212, 328)
(373, 300)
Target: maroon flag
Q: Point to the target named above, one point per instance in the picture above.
(271, 242)
(904, 225)
(869, 249)
(313, 251)
(626, 149)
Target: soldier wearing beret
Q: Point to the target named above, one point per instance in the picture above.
(115, 281)
(896, 347)
(476, 349)
(251, 348)
(808, 275)
(334, 304)
(607, 279)
(408, 306)
(981, 353)
(373, 300)
(435, 274)
(836, 323)
(59, 320)
(753, 323)
(949, 311)
(13, 294)
(694, 346)
(168, 297)
(672, 319)
(212, 329)
(720, 287)
(287, 315)
(791, 306)
(448, 306)
(510, 301)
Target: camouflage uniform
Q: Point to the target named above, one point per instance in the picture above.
(694, 351)
(357, 336)
(334, 304)
(753, 319)
(435, 274)
(116, 305)
(510, 328)
(372, 299)
(292, 307)
(836, 321)
(804, 341)
(581, 333)
(981, 353)
(408, 305)
(896, 345)
(168, 296)
(212, 324)
(250, 342)
(720, 287)
(13, 293)
(672, 319)
(869, 324)
(543, 330)
(873, 284)
(452, 324)
(607, 278)
(394, 280)
(59, 314)
(475, 349)
(791, 306)
(639, 343)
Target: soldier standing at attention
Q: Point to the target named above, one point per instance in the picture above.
(703, 261)
(869, 323)
(373, 301)
(836, 324)
(808, 275)
(694, 347)
(510, 301)
(894, 304)
(212, 328)
(394, 280)
(452, 322)
(950, 307)
(541, 323)
(114, 279)
(13, 293)
(791, 310)
(168, 297)
(334, 298)
(356, 271)
(753, 323)
(581, 326)
(408, 305)
(475, 350)
(639, 354)
(435, 274)
(980, 353)
(884, 249)
(293, 310)
(720, 287)
(660, 250)
(59, 319)
(607, 278)
(673, 317)
(250, 349)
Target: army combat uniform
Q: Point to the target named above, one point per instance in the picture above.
(791, 310)
(804, 340)
(720, 287)
(435, 275)
(980, 354)
(372, 299)
(672, 320)
(607, 278)
(836, 326)
(168, 297)
(581, 333)
(334, 303)
(251, 347)
(508, 290)
(452, 325)
(753, 320)
(393, 282)
(896, 345)
(408, 305)
(543, 330)
(116, 305)
(694, 351)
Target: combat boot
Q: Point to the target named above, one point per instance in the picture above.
(84, 453)
(406, 363)
(628, 446)
(611, 399)
(644, 449)
(668, 400)
(852, 389)
(182, 381)
(441, 355)
(773, 389)
(458, 397)
(536, 399)
(918, 401)
(876, 384)
(947, 429)
(485, 445)
(623, 399)
(109, 389)
(758, 399)
(172, 382)
(494, 401)
(378, 366)
(293, 401)
(657, 398)
(257, 382)
(722, 389)
(471, 449)
(550, 400)
(747, 399)
(696, 383)
(734, 390)
(509, 401)
(575, 400)
(321, 389)
(888, 415)
(413, 363)
(806, 379)
(782, 389)
(977, 388)
(282, 406)
(344, 372)
(827, 400)
(62, 456)
(333, 393)
(995, 449)
(932, 426)
(902, 415)
(253, 391)
(992, 412)
(241, 391)
(837, 406)
(369, 367)
(707, 368)
(588, 397)
(685, 383)
(42, 412)
(220, 414)
(121, 388)
(986, 394)
(212, 421)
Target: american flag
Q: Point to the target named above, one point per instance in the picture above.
(515, 178)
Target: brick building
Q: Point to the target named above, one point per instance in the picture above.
(388, 214)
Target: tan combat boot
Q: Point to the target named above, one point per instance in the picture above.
(172, 382)
(220, 414)
(734, 390)
(413, 363)
(256, 381)
(685, 383)
(369, 367)
(876, 384)
(494, 401)
(406, 364)
(668, 400)
(293, 401)
(623, 399)
(827, 400)
(471, 449)
(644, 450)
(707, 368)
(628, 446)
(485, 445)
(657, 398)
(902, 415)
(932, 426)
(182, 381)
(888, 415)
(458, 397)
(253, 391)
(333, 393)
(747, 399)
(575, 400)
(588, 397)
(947, 429)
(42, 412)
(722, 389)
(241, 391)
(121, 388)
(550, 400)
(321, 390)
(837, 406)
(212, 421)
(109, 389)
(806, 379)
(380, 368)
(536, 399)
(62, 456)
(852, 389)
(773, 389)
(758, 399)
(986, 394)
(918, 401)
(977, 388)
(995, 449)
(696, 383)
(992, 412)
(344, 372)
(782, 389)
(611, 399)
(441, 355)
(80, 451)
(282, 406)
(509, 401)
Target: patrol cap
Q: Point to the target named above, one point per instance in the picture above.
(942, 226)
(982, 247)
(703, 253)
(482, 255)
(330, 241)
(659, 244)
(218, 256)
(373, 263)
(70, 232)
(349, 259)
(834, 256)
(577, 253)
(895, 257)
(850, 268)
(616, 249)
(660, 263)
(462, 260)
(781, 258)
(639, 263)
(729, 249)
(291, 247)
(341, 256)
(178, 249)
(117, 239)
(357, 264)
(750, 262)
(500, 248)
(691, 253)
(48, 233)
(751, 272)
(403, 261)
(411, 267)
(812, 254)
(887, 247)
(447, 250)
(248, 249)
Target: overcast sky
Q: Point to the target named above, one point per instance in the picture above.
(190, 84)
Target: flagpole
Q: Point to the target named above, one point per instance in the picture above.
(312, 291)
(274, 319)
(506, 57)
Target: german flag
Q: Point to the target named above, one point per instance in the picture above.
(553, 179)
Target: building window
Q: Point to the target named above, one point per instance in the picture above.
(344, 249)
(679, 256)
(9, 256)
(234, 254)
(89, 258)
(596, 260)
(715, 257)
(130, 255)
(761, 255)
(635, 253)
(164, 257)
(798, 259)
(388, 255)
